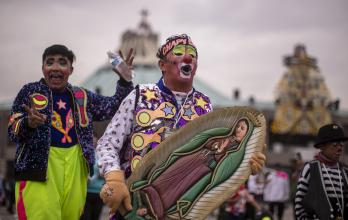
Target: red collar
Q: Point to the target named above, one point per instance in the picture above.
(325, 160)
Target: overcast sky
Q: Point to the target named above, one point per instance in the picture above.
(241, 44)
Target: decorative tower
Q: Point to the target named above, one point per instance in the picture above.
(302, 97)
(144, 42)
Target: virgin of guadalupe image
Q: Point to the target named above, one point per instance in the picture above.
(194, 172)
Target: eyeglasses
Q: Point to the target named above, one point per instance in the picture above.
(338, 144)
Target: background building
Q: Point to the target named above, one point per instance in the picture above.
(302, 103)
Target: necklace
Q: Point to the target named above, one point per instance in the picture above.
(183, 102)
(339, 203)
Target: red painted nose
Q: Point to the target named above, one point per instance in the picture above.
(187, 58)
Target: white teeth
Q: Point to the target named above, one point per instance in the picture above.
(185, 75)
(56, 74)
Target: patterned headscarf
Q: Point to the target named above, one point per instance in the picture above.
(171, 42)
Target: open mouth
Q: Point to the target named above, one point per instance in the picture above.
(56, 75)
(185, 70)
(56, 78)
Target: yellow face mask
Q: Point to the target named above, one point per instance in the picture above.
(181, 49)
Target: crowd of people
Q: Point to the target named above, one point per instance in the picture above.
(58, 163)
(265, 194)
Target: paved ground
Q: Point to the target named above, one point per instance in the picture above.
(287, 214)
(4, 215)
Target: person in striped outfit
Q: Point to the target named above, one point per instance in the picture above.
(322, 188)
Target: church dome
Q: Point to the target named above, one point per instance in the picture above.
(145, 44)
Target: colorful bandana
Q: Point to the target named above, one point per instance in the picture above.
(171, 42)
(325, 160)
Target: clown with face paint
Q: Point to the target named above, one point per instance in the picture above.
(178, 62)
(148, 115)
(51, 122)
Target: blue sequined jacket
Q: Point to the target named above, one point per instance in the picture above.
(33, 144)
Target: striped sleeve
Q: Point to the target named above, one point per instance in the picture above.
(301, 190)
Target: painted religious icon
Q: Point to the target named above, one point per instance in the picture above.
(197, 168)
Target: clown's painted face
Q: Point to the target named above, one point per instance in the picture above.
(333, 150)
(179, 67)
(56, 70)
(188, 53)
